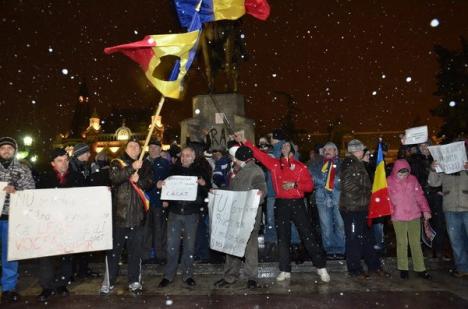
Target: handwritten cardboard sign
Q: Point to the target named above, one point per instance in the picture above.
(451, 157)
(180, 188)
(232, 219)
(417, 135)
(48, 222)
(3, 184)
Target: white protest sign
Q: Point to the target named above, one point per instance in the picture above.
(417, 135)
(3, 184)
(180, 188)
(232, 219)
(451, 157)
(48, 222)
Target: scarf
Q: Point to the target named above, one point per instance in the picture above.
(330, 168)
(141, 194)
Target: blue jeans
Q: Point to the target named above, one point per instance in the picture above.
(457, 228)
(270, 227)
(178, 225)
(332, 227)
(378, 230)
(9, 269)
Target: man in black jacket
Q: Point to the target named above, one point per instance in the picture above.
(55, 272)
(129, 177)
(355, 195)
(183, 219)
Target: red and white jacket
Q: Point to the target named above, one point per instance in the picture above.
(285, 170)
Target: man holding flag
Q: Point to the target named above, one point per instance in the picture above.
(354, 203)
(129, 177)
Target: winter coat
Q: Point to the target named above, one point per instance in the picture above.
(355, 185)
(420, 167)
(454, 188)
(406, 195)
(17, 175)
(221, 172)
(100, 174)
(49, 179)
(191, 207)
(83, 168)
(161, 168)
(128, 207)
(285, 170)
(249, 177)
(322, 195)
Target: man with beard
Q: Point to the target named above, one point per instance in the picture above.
(18, 177)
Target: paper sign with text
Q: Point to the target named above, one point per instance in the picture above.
(451, 157)
(180, 188)
(46, 222)
(232, 219)
(417, 135)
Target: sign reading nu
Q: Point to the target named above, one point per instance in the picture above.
(48, 222)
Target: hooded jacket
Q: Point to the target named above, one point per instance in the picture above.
(406, 195)
(17, 175)
(285, 170)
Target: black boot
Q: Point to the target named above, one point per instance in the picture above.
(404, 274)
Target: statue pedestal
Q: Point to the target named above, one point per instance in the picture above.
(208, 116)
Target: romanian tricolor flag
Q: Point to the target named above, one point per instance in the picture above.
(149, 51)
(380, 201)
(213, 10)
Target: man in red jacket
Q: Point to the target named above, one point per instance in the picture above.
(291, 179)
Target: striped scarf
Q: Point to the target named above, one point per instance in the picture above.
(330, 168)
(141, 194)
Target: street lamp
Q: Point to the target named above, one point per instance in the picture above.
(27, 140)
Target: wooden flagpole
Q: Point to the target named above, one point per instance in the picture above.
(153, 124)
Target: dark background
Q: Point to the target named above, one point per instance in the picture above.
(329, 55)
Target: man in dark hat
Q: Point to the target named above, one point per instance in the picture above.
(249, 177)
(18, 177)
(161, 169)
(55, 272)
(79, 163)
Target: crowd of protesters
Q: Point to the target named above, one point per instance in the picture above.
(319, 208)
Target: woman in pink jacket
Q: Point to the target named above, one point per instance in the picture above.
(408, 202)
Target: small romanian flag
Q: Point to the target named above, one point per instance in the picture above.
(149, 51)
(213, 10)
(380, 202)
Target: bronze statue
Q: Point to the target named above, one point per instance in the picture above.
(223, 49)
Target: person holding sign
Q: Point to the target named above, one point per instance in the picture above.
(291, 179)
(250, 176)
(183, 219)
(16, 177)
(455, 206)
(56, 271)
(129, 177)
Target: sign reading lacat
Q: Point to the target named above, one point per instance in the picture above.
(180, 188)
(232, 219)
(48, 222)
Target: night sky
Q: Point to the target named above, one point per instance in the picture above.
(367, 65)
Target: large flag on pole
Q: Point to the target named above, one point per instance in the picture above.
(149, 51)
(213, 10)
(380, 202)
